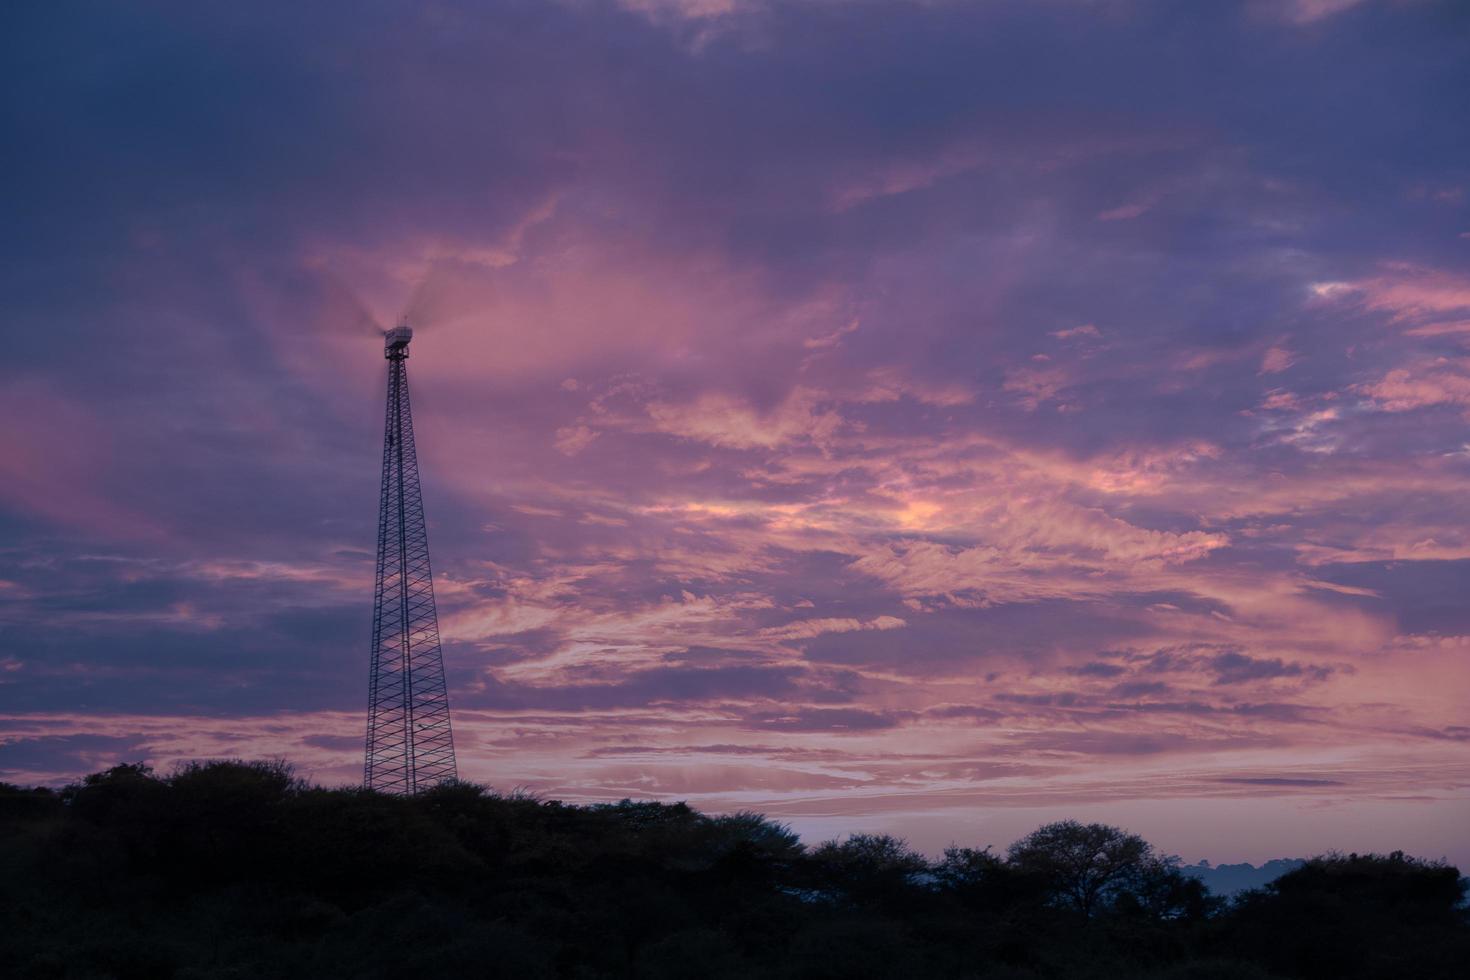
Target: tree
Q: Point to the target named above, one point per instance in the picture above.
(1357, 916)
(868, 868)
(966, 869)
(1086, 867)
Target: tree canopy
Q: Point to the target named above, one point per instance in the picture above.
(236, 869)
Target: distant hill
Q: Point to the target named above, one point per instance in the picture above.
(1226, 880)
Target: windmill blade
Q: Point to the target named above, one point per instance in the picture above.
(336, 309)
(447, 293)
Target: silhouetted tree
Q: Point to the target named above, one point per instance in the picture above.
(1091, 867)
(17, 803)
(868, 868)
(230, 869)
(964, 869)
(1368, 915)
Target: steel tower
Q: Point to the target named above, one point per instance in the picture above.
(409, 743)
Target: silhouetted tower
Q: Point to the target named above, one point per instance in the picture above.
(409, 744)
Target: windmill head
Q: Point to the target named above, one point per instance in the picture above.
(395, 341)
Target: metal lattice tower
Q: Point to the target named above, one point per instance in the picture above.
(409, 743)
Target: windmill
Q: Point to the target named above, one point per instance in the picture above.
(410, 746)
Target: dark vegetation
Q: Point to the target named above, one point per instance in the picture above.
(240, 870)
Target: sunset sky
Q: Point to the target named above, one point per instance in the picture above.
(927, 417)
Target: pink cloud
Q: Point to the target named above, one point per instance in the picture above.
(1276, 360)
(1409, 293)
(892, 178)
(722, 420)
(1086, 330)
(1313, 11)
(1036, 386)
(1421, 385)
(806, 628)
(1123, 212)
(56, 463)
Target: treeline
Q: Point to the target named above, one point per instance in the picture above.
(241, 870)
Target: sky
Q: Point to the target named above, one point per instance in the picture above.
(932, 418)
